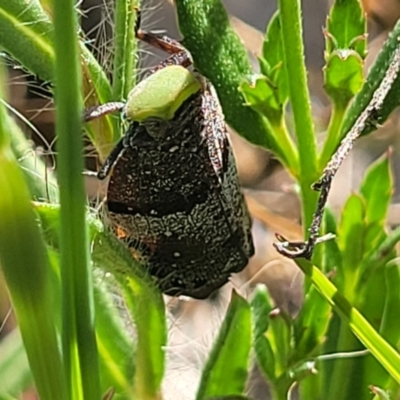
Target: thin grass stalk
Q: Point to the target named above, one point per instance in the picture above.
(78, 336)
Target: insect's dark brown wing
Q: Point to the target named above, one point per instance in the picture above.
(215, 132)
(224, 165)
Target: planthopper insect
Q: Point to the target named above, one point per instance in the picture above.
(173, 195)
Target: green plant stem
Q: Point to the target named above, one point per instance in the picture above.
(78, 337)
(125, 48)
(333, 136)
(279, 394)
(393, 388)
(310, 387)
(280, 389)
(300, 100)
(291, 159)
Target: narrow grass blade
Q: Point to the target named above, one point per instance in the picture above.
(379, 348)
(78, 336)
(27, 272)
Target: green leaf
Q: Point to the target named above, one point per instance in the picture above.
(206, 30)
(272, 335)
(272, 63)
(331, 255)
(375, 76)
(265, 357)
(115, 346)
(345, 51)
(32, 303)
(389, 294)
(26, 33)
(380, 349)
(390, 329)
(279, 335)
(343, 76)
(346, 27)
(145, 303)
(147, 309)
(370, 296)
(377, 190)
(272, 51)
(262, 95)
(310, 325)
(382, 254)
(261, 307)
(103, 132)
(7, 397)
(351, 233)
(225, 372)
(374, 235)
(143, 299)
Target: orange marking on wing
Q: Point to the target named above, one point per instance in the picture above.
(121, 234)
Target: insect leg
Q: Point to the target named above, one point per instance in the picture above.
(162, 42)
(110, 160)
(181, 58)
(179, 55)
(104, 109)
